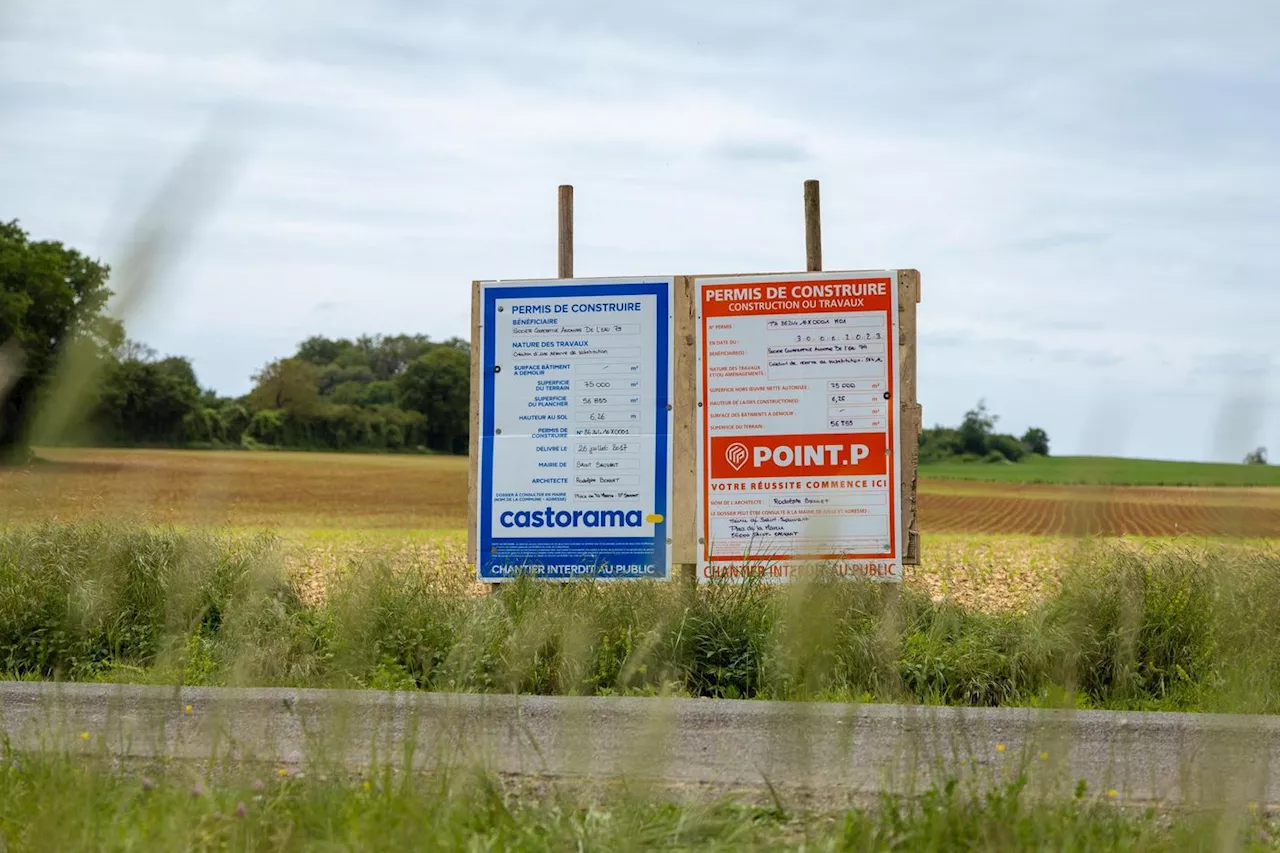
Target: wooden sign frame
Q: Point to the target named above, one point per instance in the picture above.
(685, 498)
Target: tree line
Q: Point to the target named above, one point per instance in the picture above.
(376, 392)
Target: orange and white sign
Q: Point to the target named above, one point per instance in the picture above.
(798, 425)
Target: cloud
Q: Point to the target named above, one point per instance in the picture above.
(765, 150)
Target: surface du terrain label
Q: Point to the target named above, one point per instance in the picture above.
(575, 472)
(797, 425)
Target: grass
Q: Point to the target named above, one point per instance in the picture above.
(58, 802)
(1107, 471)
(1141, 626)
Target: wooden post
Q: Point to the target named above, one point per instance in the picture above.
(812, 228)
(473, 444)
(909, 412)
(684, 439)
(566, 231)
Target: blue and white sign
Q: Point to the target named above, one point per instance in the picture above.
(575, 429)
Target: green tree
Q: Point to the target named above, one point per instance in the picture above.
(1256, 457)
(50, 296)
(1036, 440)
(390, 355)
(289, 383)
(438, 384)
(976, 429)
(144, 400)
(320, 350)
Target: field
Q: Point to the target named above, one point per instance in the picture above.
(996, 546)
(1106, 471)
(339, 493)
(287, 491)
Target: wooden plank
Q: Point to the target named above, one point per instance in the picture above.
(812, 227)
(565, 255)
(684, 440)
(473, 465)
(909, 412)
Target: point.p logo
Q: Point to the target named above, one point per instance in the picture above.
(737, 455)
(821, 455)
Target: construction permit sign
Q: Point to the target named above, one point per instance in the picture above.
(798, 425)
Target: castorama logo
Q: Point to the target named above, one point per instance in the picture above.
(551, 517)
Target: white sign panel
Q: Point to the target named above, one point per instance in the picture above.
(575, 412)
(798, 425)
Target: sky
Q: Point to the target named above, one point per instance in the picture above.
(1090, 190)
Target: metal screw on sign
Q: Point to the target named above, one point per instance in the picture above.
(497, 432)
(501, 308)
(669, 407)
(886, 395)
(497, 368)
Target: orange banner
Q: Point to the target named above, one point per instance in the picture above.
(740, 300)
(824, 455)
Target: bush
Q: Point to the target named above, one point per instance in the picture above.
(234, 420)
(267, 427)
(1007, 446)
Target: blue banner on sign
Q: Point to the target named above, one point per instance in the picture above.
(574, 469)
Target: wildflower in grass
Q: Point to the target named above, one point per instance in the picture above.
(1044, 756)
(258, 786)
(1113, 793)
(282, 772)
(147, 784)
(84, 736)
(217, 815)
(187, 710)
(241, 809)
(999, 747)
(197, 790)
(368, 786)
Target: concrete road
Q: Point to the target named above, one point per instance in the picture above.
(834, 752)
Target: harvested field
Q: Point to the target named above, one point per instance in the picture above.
(240, 489)
(353, 492)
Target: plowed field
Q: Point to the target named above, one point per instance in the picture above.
(1085, 510)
